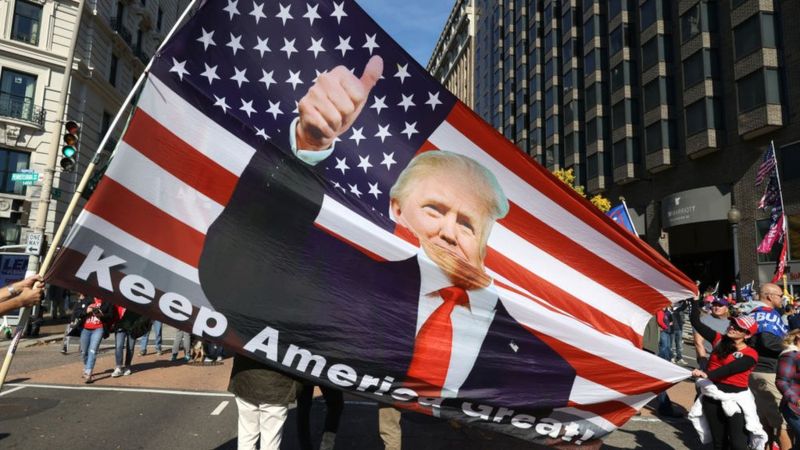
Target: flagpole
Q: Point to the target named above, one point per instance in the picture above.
(783, 209)
(24, 313)
(625, 206)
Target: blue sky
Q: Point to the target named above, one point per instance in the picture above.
(415, 24)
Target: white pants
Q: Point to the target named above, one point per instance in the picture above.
(265, 420)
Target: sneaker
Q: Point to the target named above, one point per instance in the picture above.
(127, 372)
(88, 379)
(116, 373)
(174, 357)
(160, 352)
(187, 358)
(680, 361)
(85, 375)
(143, 352)
(219, 359)
(207, 360)
(63, 350)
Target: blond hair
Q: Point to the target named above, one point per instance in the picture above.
(790, 338)
(427, 163)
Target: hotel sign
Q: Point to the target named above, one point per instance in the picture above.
(703, 204)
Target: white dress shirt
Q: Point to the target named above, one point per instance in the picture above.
(470, 324)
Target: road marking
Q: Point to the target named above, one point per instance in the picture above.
(121, 389)
(11, 390)
(219, 409)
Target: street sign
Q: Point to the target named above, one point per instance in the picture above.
(26, 176)
(34, 244)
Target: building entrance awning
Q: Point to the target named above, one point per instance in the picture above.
(703, 204)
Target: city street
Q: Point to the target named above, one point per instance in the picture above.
(165, 404)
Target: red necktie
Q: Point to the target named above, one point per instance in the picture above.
(433, 345)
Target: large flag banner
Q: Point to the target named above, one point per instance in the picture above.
(293, 185)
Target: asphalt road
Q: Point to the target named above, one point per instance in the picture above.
(153, 410)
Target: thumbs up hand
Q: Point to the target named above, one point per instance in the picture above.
(333, 103)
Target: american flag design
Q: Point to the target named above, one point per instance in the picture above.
(228, 84)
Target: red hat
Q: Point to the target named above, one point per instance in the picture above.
(746, 323)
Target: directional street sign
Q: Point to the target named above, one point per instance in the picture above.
(34, 244)
(25, 176)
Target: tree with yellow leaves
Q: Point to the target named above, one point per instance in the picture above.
(568, 177)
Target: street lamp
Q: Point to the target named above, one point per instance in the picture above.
(734, 217)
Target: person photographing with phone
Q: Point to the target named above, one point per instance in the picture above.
(98, 316)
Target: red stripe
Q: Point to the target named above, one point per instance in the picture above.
(158, 144)
(560, 298)
(550, 240)
(132, 214)
(613, 411)
(484, 136)
(603, 371)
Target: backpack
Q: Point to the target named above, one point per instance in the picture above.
(135, 324)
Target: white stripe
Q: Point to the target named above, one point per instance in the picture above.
(352, 227)
(577, 334)
(194, 127)
(219, 408)
(543, 264)
(136, 246)
(447, 137)
(587, 392)
(590, 417)
(162, 189)
(11, 390)
(127, 389)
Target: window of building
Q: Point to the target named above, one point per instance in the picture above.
(548, 41)
(548, 99)
(120, 14)
(571, 111)
(112, 70)
(696, 117)
(620, 153)
(567, 50)
(690, 23)
(569, 143)
(591, 132)
(616, 40)
(588, 30)
(566, 20)
(568, 81)
(159, 19)
(589, 63)
(592, 168)
(693, 69)
(652, 94)
(618, 76)
(790, 170)
(758, 89)
(27, 22)
(548, 68)
(10, 162)
(653, 137)
(549, 126)
(650, 53)
(736, 3)
(648, 13)
(10, 232)
(754, 33)
(614, 8)
(17, 90)
(618, 114)
(548, 13)
(591, 96)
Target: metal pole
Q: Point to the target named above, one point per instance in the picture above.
(735, 231)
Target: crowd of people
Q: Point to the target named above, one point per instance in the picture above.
(748, 367)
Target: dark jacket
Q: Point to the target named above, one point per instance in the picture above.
(256, 383)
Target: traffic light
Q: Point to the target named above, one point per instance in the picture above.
(70, 148)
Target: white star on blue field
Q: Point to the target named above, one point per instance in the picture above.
(414, 24)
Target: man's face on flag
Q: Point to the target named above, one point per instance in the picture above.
(443, 208)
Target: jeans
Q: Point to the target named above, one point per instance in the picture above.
(146, 337)
(665, 345)
(90, 343)
(677, 336)
(123, 342)
(185, 338)
(793, 420)
(334, 404)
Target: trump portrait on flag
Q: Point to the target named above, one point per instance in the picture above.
(431, 322)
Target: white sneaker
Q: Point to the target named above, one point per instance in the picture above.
(328, 439)
(117, 372)
(219, 359)
(680, 361)
(127, 371)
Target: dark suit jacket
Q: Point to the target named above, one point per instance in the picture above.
(265, 263)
